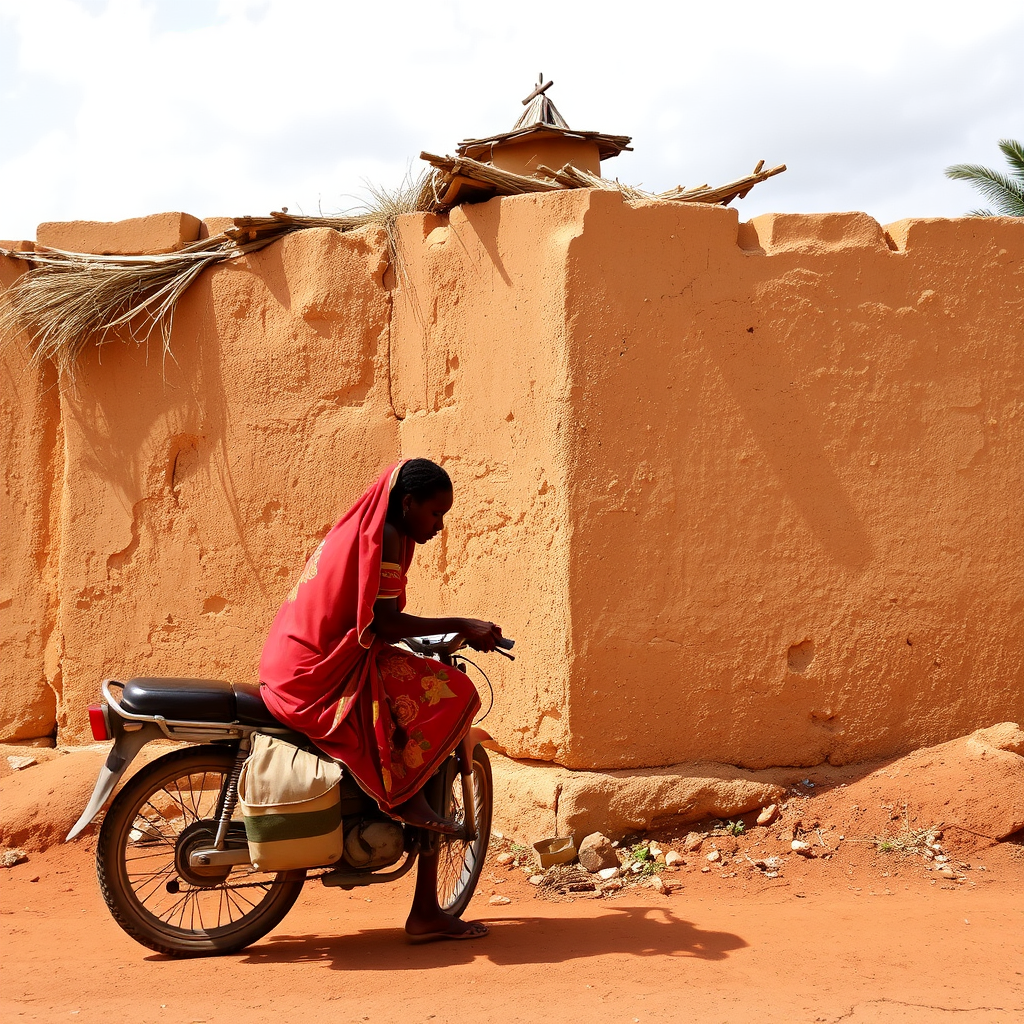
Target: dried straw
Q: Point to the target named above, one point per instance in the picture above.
(415, 195)
(575, 177)
(69, 300)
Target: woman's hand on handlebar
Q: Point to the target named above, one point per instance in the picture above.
(480, 635)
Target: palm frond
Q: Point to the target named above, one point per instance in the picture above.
(1005, 193)
(1014, 153)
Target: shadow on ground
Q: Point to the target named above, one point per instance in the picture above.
(639, 931)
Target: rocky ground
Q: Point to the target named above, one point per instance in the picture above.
(882, 893)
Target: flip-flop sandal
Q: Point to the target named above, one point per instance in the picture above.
(419, 940)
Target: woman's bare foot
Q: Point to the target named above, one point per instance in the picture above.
(416, 811)
(427, 922)
(439, 926)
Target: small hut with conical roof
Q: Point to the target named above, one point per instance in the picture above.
(542, 137)
(541, 153)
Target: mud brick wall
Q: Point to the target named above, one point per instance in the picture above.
(745, 492)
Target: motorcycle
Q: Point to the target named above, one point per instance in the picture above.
(173, 858)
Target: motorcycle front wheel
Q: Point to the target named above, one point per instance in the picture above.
(142, 861)
(459, 862)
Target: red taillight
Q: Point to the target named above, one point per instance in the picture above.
(98, 722)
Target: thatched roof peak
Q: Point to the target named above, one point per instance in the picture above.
(539, 109)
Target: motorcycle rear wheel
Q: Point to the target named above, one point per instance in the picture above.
(141, 865)
(459, 863)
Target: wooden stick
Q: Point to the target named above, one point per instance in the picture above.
(538, 91)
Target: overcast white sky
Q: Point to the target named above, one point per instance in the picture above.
(119, 108)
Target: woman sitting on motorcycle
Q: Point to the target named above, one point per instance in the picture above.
(329, 669)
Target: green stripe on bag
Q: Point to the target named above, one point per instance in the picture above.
(276, 828)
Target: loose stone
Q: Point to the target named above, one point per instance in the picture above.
(768, 814)
(714, 856)
(505, 858)
(499, 901)
(674, 860)
(692, 841)
(596, 852)
(11, 857)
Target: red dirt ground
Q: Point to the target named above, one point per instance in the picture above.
(852, 934)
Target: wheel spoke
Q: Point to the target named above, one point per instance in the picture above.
(459, 861)
(164, 813)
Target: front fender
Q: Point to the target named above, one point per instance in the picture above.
(478, 735)
(126, 746)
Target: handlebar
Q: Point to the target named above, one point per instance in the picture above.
(449, 643)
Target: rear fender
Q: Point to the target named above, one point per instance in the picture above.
(127, 744)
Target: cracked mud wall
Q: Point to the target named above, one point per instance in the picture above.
(33, 473)
(197, 485)
(479, 377)
(743, 492)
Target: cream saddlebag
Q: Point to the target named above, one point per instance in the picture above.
(291, 805)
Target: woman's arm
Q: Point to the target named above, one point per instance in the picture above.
(390, 624)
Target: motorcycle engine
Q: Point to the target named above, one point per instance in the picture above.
(373, 843)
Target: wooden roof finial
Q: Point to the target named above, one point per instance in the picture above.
(542, 87)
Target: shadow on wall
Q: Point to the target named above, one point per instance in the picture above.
(764, 386)
(485, 222)
(145, 430)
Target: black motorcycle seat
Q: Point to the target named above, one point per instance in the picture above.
(196, 700)
(249, 706)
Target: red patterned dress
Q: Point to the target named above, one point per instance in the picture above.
(390, 716)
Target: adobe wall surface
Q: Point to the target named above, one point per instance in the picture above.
(31, 456)
(744, 493)
(479, 346)
(796, 484)
(195, 486)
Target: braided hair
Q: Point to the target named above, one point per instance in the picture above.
(420, 478)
